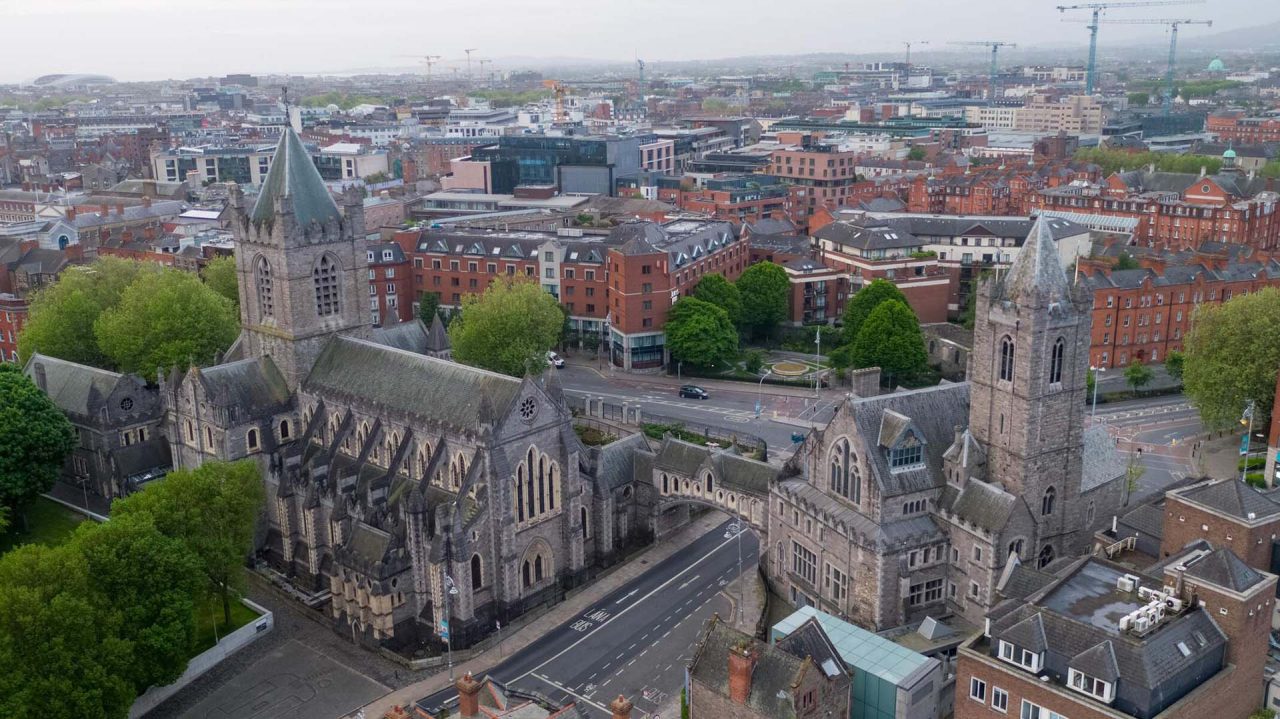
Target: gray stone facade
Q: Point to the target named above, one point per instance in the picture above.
(913, 503)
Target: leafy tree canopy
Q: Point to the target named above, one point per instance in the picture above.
(1114, 160)
(721, 293)
(1138, 375)
(864, 301)
(890, 339)
(763, 287)
(1231, 356)
(507, 329)
(428, 306)
(35, 439)
(1174, 363)
(212, 510)
(172, 319)
(220, 276)
(700, 333)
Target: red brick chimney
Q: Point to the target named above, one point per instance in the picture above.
(620, 707)
(468, 696)
(742, 662)
(120, 209)
(146, 201)
(71, 212)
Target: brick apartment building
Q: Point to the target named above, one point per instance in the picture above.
(1143, 314)
(998, 190)
(1184, 639)
(821, 174)
(651, 266)
(737, 198)
(13, 314)
(391, 295)
(869, 251)
(817, 293)
(1226, 513)
(1240, 128)
(1179, 211)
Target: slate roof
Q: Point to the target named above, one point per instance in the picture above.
(1223, 568)
(679, 456)
(637, 238)
(75, 388)
(985, 505)
(1147, 519)
(252, 386)
(294, 179)
(1231, 497)
(1028, 633)
(421, 386)
(934, 411)
(437, 335)
(1101, 461)
(776, 671)
(865, 651)
(87, 218)
(142, 457)
(742, 473)
(410, 336)
(769, 226)
(616, 466)
(1012, 228)
(1036, 277)
(1022, 581)
(1098, 661)
(870, 237)
(893, 535)
(809, 640)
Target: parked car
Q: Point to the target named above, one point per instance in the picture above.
(694, 392)
(554, 359)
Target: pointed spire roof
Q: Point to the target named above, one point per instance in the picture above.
(1037, 272)
(294, 179)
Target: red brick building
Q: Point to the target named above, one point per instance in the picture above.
(818, 293)
(739, 199)
(865, 252)
(1237, 127)
(1226, 513)
(13, 314)
(391, 290)
(649, 267)
(1178, 211)
(1143, 314)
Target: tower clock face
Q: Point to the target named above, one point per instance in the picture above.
(528, 409)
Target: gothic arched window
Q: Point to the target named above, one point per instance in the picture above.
(1055, 361)
(1046, 556)
(709, 482)
(477, 580)
(325, 279)
(1015, 549)
(1006, 358)
(525, 572)
(520, 493)
(1046, 502)
(262, 278)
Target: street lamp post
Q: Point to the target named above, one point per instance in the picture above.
(1096, 371)
(737, 527)
(817, 361)
(450, 588)
(760, 390)
(1246, 418)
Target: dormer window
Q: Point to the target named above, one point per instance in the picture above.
(1024, 658)
(906, 456)
(1094, 687)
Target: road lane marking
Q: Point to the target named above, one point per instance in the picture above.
(572, 693)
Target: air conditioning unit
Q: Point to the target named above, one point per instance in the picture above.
(1143, 592)
(1125, 622)
(1174, 604)
(1126, 583)
(1141, 624)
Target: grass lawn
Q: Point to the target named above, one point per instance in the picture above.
(211, 609)
(49, 523)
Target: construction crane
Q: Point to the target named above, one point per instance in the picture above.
(427, 60)
(995, 52)
(1097, 8)
(909, 44)
(559, 89)
(1167, 100)
(482, 62)
(468, 51)
(640, 77)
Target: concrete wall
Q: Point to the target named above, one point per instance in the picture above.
(208, 659)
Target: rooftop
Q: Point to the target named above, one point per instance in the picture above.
(863, 650)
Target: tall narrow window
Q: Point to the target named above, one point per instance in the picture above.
(262, 277)
(709, 483)
(252, 439)
(553, 486)
(542, 485)
(1055, 361)
(537, 568)
(1046, 556)
(1046, 502)
(1006, 359)
(520, 494)
(325, 278)
(583, 517)
(477, 580)
(525, 572)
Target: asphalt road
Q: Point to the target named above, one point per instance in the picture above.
(1160, 427)
(635, 641)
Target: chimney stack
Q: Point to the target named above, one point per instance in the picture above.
(621, 708)
(71, 212)
(468, 696)
(742, 662)
(120, 209)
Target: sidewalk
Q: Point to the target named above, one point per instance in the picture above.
(568, 609)
(588, 363)
(1219, 458)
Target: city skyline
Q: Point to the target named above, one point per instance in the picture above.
(290, 36)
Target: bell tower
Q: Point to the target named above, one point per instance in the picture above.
(1027, 381)
(302, 264)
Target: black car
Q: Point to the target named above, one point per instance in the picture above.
(694, 392)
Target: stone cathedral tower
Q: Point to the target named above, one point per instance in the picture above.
(301, 264)
(1028, 378)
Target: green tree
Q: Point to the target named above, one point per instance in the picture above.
(1139, 99)
(753, 361)
(428, 306)
(507, 329)
(35, 439)
(1090, 381)
(172, 319)
(1173, 364)
(700, 333)
(916, 153)
(1138, 375)
(1232, 352)
(63, 314)
(220, 276)
(149, 582)
(890, 339)
(722, 293)
(212, 510)
(1126, 262)
(60, 655)
(763, 287)
(864, 301)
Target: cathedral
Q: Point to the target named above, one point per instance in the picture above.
(402, 487)
(915, 503)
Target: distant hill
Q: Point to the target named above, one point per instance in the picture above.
(1254, 37)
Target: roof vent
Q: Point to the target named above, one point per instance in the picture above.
(1253, 515)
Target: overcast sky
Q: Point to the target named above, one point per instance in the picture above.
(158, 39)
